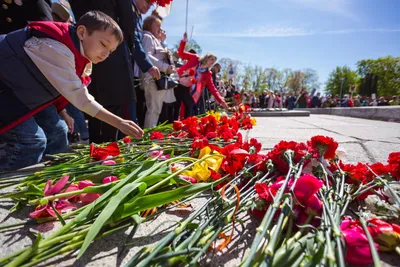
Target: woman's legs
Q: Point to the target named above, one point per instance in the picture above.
(154, 102)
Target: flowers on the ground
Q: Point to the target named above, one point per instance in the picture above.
(102, 153)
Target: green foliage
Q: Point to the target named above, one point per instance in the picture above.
(334, 83)
(387, 72)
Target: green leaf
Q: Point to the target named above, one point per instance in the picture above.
(107, 213)
(58, 215)
(96, 177)
(101, 189)
(158, 199)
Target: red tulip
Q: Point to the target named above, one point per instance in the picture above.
(101, 153)
(384, 234)
(127, 140)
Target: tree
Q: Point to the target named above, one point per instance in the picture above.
(190, 44)
(385, 72)
(225, 63)
(334, 83)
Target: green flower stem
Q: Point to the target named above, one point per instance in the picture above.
(205, 247)
(330, 255)
(336, 233)
(267, 220)
(374, 252)
(52, 197)
(268, 252)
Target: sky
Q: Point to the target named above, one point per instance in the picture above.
(296, 34)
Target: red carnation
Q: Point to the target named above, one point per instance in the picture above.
(323, 146)
(191, 72)
(192, 81)
(394, 164)
(156, 135)
(177, 125)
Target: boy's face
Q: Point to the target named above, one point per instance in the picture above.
(98, 45)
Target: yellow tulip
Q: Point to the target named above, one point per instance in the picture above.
(213, 162)
(215, 114)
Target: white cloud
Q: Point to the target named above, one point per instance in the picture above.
(290, 32)
(340, 7)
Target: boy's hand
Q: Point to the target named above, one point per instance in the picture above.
(131, 129)
(185, 37)
(68, 120)
(154, 72)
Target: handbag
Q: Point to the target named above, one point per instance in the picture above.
(166, 82)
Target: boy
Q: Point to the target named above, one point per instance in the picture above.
(40, 67)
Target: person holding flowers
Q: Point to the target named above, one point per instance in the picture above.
(159, 57)
(202, 77)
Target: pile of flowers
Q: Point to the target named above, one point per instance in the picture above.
(303, 194)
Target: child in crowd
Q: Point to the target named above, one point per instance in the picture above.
(41, 67)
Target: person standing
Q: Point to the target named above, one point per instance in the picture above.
(141, 59)
(159, 57)
(202, 75)
(15, 15)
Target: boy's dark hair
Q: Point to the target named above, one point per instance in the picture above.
(98, 21)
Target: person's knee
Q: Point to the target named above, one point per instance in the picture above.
(57, 140)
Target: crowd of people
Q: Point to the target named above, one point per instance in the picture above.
(269, 99)
(63, 59)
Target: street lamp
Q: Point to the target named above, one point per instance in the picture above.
(341, 88)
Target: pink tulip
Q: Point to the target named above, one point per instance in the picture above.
(110, 179)
(47, 210)
(108, 162)
(49, 190)
(86, 183)
(306, 186)
(71, 188)
(90, 197)
(358, 251)
(158, 154)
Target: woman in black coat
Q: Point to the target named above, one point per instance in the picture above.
(112, 80)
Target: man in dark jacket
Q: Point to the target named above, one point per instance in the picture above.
(112, 80)
(316, 101)
(14, 15)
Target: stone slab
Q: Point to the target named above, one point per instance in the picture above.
(385, 113)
